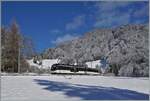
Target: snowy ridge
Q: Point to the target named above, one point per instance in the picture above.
(126, 46)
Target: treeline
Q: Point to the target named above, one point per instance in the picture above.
(15, 49)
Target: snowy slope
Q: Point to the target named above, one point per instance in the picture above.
(31, 63)
(46, 63)
(93, 64)
(71, 88)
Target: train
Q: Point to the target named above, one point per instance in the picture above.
(73, 68)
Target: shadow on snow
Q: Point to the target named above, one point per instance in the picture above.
(86, 92)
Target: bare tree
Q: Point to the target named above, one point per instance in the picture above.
(12, 45)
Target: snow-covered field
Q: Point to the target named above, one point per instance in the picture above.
(54, 87)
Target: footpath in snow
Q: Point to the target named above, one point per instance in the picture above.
(54, 87)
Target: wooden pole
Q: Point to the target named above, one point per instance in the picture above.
(19, 59)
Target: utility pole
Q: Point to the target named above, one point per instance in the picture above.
(19, 58)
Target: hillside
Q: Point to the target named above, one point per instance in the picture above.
(125, 48)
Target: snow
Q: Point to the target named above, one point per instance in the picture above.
(93, 64)
(71, 88)
(46, 63)
(31, 63)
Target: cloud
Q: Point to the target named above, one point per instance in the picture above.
(77, 22)
(111, 5)
(112, 20)
(67, 37)
(111, 14)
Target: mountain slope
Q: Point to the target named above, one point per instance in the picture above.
(125, 48)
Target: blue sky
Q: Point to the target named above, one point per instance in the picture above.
(50, 23)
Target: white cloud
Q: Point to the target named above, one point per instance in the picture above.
(111, 5)
(77, 22)
(113, 20)
(67, 37)
(108, 14)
